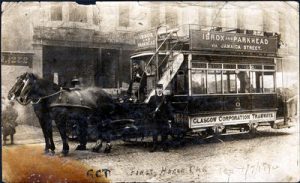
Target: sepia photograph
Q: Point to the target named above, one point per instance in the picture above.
(149, 91)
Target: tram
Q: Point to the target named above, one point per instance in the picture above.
(217, 79)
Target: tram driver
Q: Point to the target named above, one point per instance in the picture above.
(137, 83)
(161, 114)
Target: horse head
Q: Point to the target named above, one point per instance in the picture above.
(15, 91)
(22, 88)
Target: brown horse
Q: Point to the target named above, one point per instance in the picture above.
(51, 102)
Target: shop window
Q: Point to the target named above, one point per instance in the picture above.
(256, 82)
(171, 17)
(77, 13)
(229, 83)
(268, 81)
(56, 13)
(214, 82)
(199, 82)
(124, 15)
(243, 82)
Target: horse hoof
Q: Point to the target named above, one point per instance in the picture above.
(46, 151)
(107, 151)
(80, 148)
(64, 153)
(165, 149)
(52, 153)
(95, 149)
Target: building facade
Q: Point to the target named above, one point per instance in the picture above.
(62, 40)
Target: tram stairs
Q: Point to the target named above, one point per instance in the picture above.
(168, 41)
(172, 68)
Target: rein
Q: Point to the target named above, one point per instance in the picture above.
(47, 96)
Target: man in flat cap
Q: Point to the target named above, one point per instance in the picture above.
(161, 112)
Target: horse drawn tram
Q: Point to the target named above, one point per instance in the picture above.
(214, 80)
(218, 80)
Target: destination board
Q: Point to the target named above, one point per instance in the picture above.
(228, 119)
(223, 41)
(145, 39)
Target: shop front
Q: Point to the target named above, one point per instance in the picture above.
(92, 57)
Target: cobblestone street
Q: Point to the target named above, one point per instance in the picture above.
(273, 155)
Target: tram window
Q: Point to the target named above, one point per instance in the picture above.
(258, 67)
(180, 82)
(198, 82)
(256, 82)
(268, 82)
(269, 67)
(214, 82)
(215, 66)
(229, 66)
(198, 65)
(243, 82)
(243, 67)
(229, 82)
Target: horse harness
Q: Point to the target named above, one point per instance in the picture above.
(64, 99)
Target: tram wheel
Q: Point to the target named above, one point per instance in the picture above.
(178, 136)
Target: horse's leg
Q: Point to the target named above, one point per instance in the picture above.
(61, 125)
(43, 126)
(4, 138)
(82, 136)
(108, 145)
(39, 113)
(12, 138)
(49, 132)
(100, 138)
(97, 146)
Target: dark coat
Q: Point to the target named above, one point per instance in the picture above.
(137, 77)
(160, 112)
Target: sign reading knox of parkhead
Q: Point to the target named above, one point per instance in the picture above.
(145, 39)
(222, 41)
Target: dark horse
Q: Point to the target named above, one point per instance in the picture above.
(51, 102)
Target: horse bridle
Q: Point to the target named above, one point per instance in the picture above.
(25, 83)
(33, 102)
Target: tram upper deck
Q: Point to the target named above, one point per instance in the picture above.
(211, 39)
